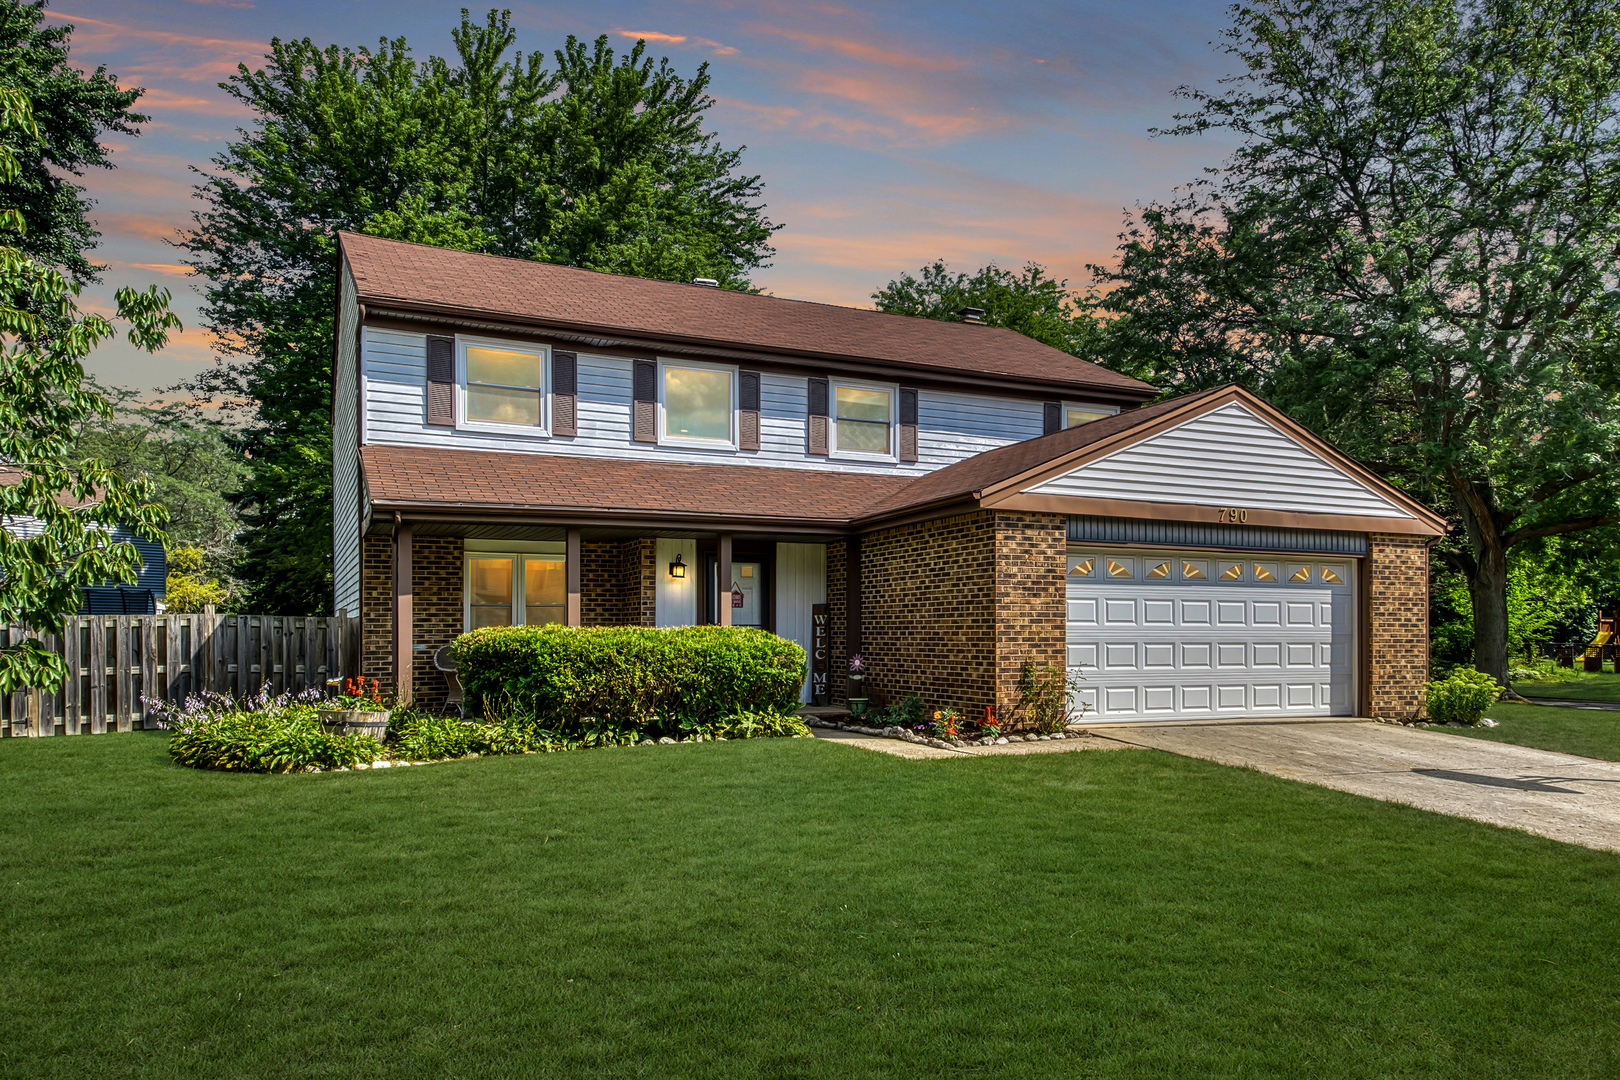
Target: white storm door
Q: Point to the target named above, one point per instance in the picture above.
(1193, 635)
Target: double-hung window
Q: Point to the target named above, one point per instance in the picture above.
(863, 421)
(697, 405)
(503, 385)
(512, 589)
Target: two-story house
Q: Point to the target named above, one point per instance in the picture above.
(517, 442)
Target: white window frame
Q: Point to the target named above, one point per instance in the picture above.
(519, 580)
(833, 450)
(541, 430)
(1088, 406)
(665, 438)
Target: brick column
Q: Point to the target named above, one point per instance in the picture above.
(1029, 600)
(1397, 568)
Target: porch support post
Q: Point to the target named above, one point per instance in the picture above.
(572, 616)
(404, 662)
(722, 599)
(852, 604)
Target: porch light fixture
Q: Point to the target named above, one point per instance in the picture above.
(677, 569)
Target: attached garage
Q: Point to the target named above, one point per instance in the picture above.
(1192, 634)
(1219, 562)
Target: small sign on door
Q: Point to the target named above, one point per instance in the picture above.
(736, 597)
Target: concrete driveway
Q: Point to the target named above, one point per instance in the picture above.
(1568, 798)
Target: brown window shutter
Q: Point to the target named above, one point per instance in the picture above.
(1053, 418)
(908, 424)
(441, 381)
(818, 416)
(564, 393)
(646, 391)
(748, 410)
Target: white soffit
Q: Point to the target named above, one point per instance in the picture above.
(1226, 457)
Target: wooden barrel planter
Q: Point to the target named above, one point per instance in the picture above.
(354, 722)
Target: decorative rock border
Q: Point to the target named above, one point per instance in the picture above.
(941, 744)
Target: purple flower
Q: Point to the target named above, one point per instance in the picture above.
(857, 664)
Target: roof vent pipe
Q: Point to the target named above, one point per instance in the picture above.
(709, 281)
(971, 314)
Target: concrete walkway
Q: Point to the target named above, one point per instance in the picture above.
(1561, 796)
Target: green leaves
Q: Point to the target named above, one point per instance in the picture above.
(602, 163)
(58, 510)
(1031, 303)
(1413, 250)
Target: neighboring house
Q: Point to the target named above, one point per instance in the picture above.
(522, 442)
(143, 597)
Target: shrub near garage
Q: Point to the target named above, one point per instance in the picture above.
(1461, 698)
(627, 682)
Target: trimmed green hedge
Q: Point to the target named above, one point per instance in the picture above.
(630, 678)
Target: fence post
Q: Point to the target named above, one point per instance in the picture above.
(176, 667)
(98, 674)
(151, 688)
(125, 680)
(71, 712)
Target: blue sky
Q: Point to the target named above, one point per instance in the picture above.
(887, 134)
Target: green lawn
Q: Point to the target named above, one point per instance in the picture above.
(1589, 732)
(781, 909)
(1580, 685)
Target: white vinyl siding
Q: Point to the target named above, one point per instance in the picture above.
(676, 597)
(950, 426)
(345, 458)
(801, 583)
(1227, 457)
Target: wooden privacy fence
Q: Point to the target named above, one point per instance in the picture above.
(116, 660)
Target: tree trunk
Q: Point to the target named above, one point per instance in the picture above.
(1487, 578)
(1487, 589)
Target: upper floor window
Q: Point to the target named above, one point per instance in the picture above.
(696, 405)
(1075, 415)
(504, 385)
(863, 421)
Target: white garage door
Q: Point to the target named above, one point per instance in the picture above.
(1189, 635)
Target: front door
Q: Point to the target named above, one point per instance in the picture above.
(747, 595)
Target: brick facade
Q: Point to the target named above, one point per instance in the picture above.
(952, 609)
(1397, 570)
(616, 589)
(436, 610)
(1031, 559)
(837, 622)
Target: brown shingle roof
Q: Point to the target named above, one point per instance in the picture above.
(404, 477)
(389, 272)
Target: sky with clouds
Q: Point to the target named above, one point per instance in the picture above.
(888, 134)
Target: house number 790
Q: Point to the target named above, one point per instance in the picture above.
(1233, 514)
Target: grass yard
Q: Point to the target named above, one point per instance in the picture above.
(781, 909)
(1588, 732)
(1579, 685)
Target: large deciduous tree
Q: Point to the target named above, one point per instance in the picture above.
(1414, 251)
(602, 163)
(1030, 302)
(57, 510)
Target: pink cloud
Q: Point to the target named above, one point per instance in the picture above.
(860, 50)
(677, 39)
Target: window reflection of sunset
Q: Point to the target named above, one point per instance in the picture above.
(697, 404)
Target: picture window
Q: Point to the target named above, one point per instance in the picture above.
(508, 590)
(503, 385)
(697, 405)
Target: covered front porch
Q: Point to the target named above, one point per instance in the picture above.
(426, 579)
